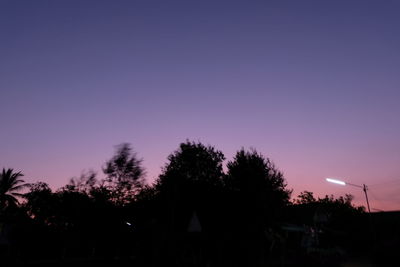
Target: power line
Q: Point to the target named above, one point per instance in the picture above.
(386, 183)
(376, 199)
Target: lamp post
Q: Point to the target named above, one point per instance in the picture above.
(363, 187)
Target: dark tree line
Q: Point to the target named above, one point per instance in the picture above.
(195, 213)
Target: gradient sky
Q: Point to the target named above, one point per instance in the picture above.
(314, 85)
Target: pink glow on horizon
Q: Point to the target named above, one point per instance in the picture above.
(298, 177)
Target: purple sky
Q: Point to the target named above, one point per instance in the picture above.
(314, 85)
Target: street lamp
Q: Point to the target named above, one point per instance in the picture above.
(364, 188)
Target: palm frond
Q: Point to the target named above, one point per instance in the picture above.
(17, 194)
(19, 187)
(9, 199)
(10, 182)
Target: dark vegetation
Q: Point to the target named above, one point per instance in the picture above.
(195, 214)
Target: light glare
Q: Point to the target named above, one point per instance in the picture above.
(335, 181)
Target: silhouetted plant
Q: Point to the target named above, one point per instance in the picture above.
(191, 176)
(336, 221)
(10, 184)
(40, 203)
(117, 215)
(258, 183)
(125, 174)
(331, 206)
(85, 183)
(194, 164)
(189, 184)
(305, 197)
(256, 194)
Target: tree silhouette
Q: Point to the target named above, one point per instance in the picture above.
(238, 215)
(258, 183)
(85, 183)
(257, 194)
(190, 179)
(40, 203)
(305, 197)
(125, 174)
(188, 185)
(192, 164)
(10, 185)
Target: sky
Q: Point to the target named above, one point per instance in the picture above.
(313, 85)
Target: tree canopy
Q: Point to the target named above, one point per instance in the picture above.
(192, 165)
(124, 174)
(257, 180)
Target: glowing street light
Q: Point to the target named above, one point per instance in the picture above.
(364, 188)
(335, 181)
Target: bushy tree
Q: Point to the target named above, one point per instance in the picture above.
(189, 182)
(336, 212)
(260, 186)
(305, 197)
(328, 202)
(86, 182)
(124, 174)
(193, 163)
(191, 174)
(40, 203)
(256, 194)
(188, 185)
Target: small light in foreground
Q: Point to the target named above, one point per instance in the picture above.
(128, 223)
(335, 181)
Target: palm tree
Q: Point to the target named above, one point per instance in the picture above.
(10, 184)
